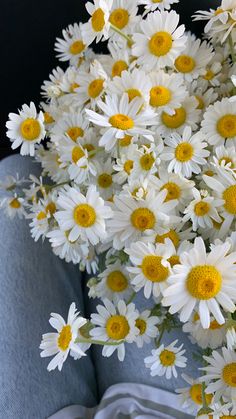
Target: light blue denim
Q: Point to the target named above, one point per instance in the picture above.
(34, 283)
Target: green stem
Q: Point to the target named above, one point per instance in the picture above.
(50, 187)
(99, 342)
(131, 298)
(204, 402)
(158, 341)
(117, 30)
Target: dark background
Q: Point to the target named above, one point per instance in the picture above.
(28, 32)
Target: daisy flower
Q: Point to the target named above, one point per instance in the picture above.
(204, 282)
(165, 359)
(104, 178)
(114, 283)
(51, 88)
(219, 123)
(42, 214)
(13, 206)
(186, 153)
(145, 161)
(10, 182)
(71, 251)
(121, 57)
(225, 157)
(121, 118)
(220, 374)
(160, 40)
(72, 47)
(202, 211)
(152, 5)
(51, 164)
(115, 324)
(167, 91)
(98, 25)
(61, 342)
(191, 397)
(73, 125)
(191, 63)
(135, 83)
(124, 165)
(147, 326)
(91, 85)
(132, 217)
(83, 215)
(123, 15)
(151, 268)
(26, 129)
(176, 234)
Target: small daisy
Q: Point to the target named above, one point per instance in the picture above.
(84, 215)
(104, 178)
(42, 214)
(152, 5)
(213, 337)
(186, 153)
(151, 268)
(120, 58)
(165, 359)
(160, 40)
(13, 206)
(66, 249)
(63, 341)
(51, 88)
(26, 129)
(202, 211)
(167, 91)
(225, 157)
(98, 25)
(124, 165)
(91, 85)
(10, 183)
(114, 283)
(121, 118)
(114, 324)
(135, 83)
(123, 15)
(145, 161)
(72, 47)
(204, 282)
(51, 164)
(72, 124)
(191, 397)
(219, 123)
(147, 326)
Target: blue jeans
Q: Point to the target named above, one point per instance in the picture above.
(34, 283)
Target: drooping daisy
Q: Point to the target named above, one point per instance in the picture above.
(123, 15)
(135, 83)
(51, 88)
(160, 40)
(13, 206)
(26, 129)
(213, 337)
(191, 397)
(204, 282)
(121, 118)
(167, 91)
(152, 5)
(191, 63)
(71, 251)
(115, 324)
(132, 217)
(84, 215)
(151, 268)
(219, 123)
(165, 359)
(72, 47)
(147, 326)
(114, 283)
(62, 342)
(186, 153)
(202, 211)
(98, 25)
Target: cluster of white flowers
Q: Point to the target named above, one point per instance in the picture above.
(139, 163)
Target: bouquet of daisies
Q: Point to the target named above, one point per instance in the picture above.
(139, 165)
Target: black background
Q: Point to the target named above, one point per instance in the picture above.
(28, 32)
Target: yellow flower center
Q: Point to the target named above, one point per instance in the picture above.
(147, 161)
(226, 126)
(218, 11)
(209, 75)
(95, 88)
(209, 173)
(98, 20)
(141, 325)
(128, 166)
(30, 129)
(176, 120)
(73, 86)
(64, 338)
(117, 281)
(104, 180)
(184, 152)
(229, 374)
(201, 104)
(77, 154)
(133, 93)
(157, 1)
(204, 282)
(84, 215)
(121, 121)
(90, 149)
(119, 18)
(41, 216)
(48, 119)
(196, 394)
(172, 235)
(143, 219)
(173, 191)
(153, 269)
(229, 195)
(214, 325)
(196, 317)
(126, 141)
(160, 43)
(77, 47)
(51, 208)
(75, 132)
(174, 260)
(201, 208)
(227, 160)
(118, 67)
(185, 64)
(159, 96)
(117, 327)
(15, 203)
(167, 358)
